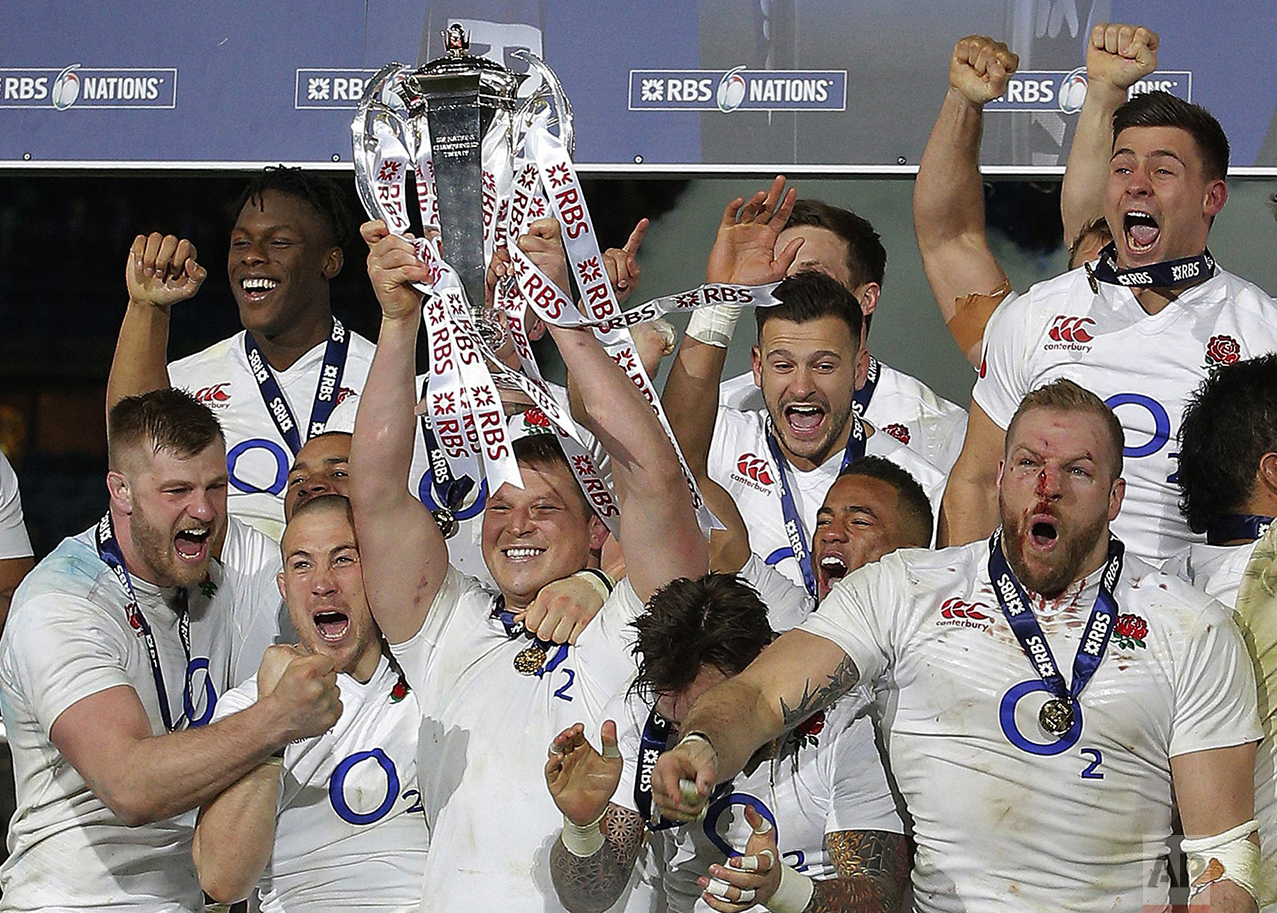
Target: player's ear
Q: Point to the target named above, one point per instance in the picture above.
(598, 533)
(279, 582)
(1115, 498)
(333, 262)
(756, 363)
(117, 487)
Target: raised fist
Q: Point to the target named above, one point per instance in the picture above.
(1120, 55)
(162, 270)
(980, 68)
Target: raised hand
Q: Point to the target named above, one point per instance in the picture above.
(980, 68)
(392, 268)
(683, 779)
(744, 251)
(622, 263)
(562, 609)
(580, 779)
(162, 270)
(544, 246)
(273, 664)
(749, 879)
(1120, 55)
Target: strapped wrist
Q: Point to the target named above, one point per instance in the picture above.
(582, 840)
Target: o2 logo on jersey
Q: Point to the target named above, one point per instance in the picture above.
(1006, 717)
(198, 718)
(275, 452)
(1161, 422)
(723, 805)
(369, 770)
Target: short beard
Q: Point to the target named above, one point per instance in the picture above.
(823, 450)
(156, 549)
(1071, 555)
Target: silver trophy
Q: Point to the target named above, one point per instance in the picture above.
(450, 105)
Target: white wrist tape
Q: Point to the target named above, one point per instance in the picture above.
(713, 325)
(1225, 856)
(582, 840)
(793, 894)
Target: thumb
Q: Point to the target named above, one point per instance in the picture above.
(607, 739)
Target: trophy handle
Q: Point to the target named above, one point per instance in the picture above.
(550, 95)
(370, 111)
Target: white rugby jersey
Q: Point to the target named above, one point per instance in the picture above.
(484, 735)
(827, 777)
(67, 637)
(350, 833)
(741, 461)
(900, 404)
(1217, 570)
(465, 551)
(257, 456)
(1005, 815)
(1144, 366)
(14, 541)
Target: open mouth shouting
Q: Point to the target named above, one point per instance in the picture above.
(830, 569)
(1044, 531)
(191, 545)
(1141, 231)
(805, 420)
(331, 623)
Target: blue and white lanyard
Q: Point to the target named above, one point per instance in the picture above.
(1231, 527)
(325, 391)
(516, 629)
(794, 529)
(1024, 624)
(860, 399)
(110, 553)
(654, 741)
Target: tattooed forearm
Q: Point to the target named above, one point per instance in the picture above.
(873, 867)
(594, 883)
(842, 680)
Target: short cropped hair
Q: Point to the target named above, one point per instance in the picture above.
(1162, 109)
(1066, 396)
(916, 519)
(322, 504)
(811, 295)
(543, 450)
(321, 192)
(170, 420)
(1230, 422)
(717, 620)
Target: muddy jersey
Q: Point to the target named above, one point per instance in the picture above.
(350, 833)
(1006, 815)
(741, 461)
(257, 455)
(69, 636)
(1144, 366)
(485, 728)
(891, 401)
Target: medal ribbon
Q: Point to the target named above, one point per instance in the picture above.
(860, 399)
(1230, 527)
(654, 741)
(111, 555)
(1167, 274)
(325, 391)
(794, 528)
(514, 629)
(1024, 624)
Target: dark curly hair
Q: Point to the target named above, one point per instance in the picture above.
(716, 620)
(321, 192)
(1230, 422)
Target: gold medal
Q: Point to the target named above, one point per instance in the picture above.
(446, 521)
(1056, 717)
(530, 659)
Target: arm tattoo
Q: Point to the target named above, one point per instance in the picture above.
(595, 882)
(873, 867)
(842, 680)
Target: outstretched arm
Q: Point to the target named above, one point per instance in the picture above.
(161, 271)
(797, 675)
(948, 196)
(969, 508)
(656, 507)
(404, 555)
(1215, 790)
(1116, 58)
(744, 252)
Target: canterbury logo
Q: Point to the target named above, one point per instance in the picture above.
(1071, 329)
(755, 467)
(214, 394)
(956, 608)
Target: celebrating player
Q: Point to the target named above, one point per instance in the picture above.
(993, 735)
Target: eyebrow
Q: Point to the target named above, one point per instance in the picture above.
(1156, 153)
(788, 353)
(849, 509)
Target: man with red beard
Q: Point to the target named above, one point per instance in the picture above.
(1032, 781)
(114, 655)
